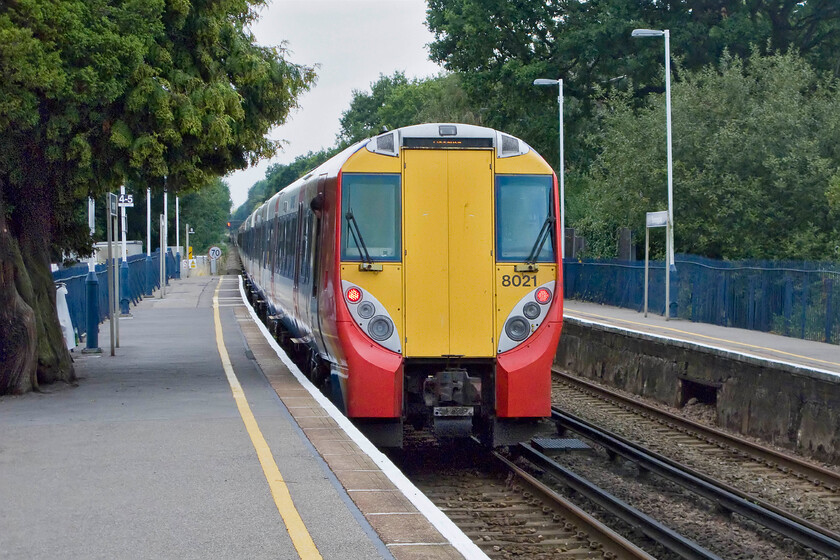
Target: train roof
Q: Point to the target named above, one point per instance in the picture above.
(447, 136)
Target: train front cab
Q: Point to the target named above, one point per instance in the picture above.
(450, 278)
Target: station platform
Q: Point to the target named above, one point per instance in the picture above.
(199, 440)
(821, 358)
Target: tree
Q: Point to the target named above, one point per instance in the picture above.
(395, 101)
(277, 177)
(756, 161)
(97, 92)
(207, 213)
(500, 47)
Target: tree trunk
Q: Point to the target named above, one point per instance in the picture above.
(32, 347)
(18, 334)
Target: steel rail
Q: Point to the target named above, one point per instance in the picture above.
(642, 522)
(814, 473)
(609, 539)
(785, 524)
(711, 480)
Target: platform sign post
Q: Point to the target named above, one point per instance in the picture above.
(215, 254)
(125, 201)
(655, 220)
(111, 209)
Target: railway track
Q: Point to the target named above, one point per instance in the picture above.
(508, 512)
(786, 488)
(709, 438)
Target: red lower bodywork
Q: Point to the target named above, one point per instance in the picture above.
(523, 375)
(375, 379)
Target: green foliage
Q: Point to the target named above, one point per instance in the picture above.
(207, 212)
(97, 92)
(277, 177)
(756, 157)
(500, 47)
(395, 101)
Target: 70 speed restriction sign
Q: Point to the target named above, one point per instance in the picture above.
(215, 253)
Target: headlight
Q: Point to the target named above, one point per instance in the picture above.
(366, 310)
(517, 328)
(531, 310)
(380, 328)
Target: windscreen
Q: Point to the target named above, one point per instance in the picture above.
(523, 203)
(373, 200)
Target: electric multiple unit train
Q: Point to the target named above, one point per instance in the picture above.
(416, 277)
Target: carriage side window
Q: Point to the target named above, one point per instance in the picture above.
(523, 206)
(374, 202)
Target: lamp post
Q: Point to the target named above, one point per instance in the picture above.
(665, 33)
(559, 84)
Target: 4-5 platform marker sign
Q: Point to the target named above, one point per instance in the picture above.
(215, 253)
(126, 200)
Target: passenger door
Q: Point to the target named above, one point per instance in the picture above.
(449, 262)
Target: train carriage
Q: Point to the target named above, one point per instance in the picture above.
(416, 275)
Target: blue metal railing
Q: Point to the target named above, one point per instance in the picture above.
(74, 279)
(798, 299)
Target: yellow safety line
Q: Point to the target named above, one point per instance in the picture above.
(735, 342)
(294, 524)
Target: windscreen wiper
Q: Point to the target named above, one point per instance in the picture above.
(356, 233)
(531, 262)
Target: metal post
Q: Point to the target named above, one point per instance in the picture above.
(110, 225)
(124, 299)
(165, 246)
(668, 272)
(647, 264)
(115, 293)
(177, 240)
(149, 271)
(667, 34)
(162, 261)
(562, 177)
(92, 293)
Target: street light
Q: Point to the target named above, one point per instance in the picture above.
(559, 84)
(665, 33)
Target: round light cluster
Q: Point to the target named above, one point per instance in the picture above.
(364, 308)
(526, 317)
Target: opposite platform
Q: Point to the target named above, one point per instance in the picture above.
(783, 350)
(149, 456)
(782, 390)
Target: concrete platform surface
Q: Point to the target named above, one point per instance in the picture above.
(149, 455)
(817, 356)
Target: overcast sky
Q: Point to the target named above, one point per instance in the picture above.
(353, 42)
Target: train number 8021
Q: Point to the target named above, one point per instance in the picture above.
(518, 280)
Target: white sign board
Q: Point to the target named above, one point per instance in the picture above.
(657, 219)
(215, 253)
(193, 263)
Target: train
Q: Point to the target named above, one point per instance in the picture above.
(416, 277)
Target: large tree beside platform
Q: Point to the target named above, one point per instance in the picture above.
(97, 92)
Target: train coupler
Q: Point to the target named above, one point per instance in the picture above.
(452, 395)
